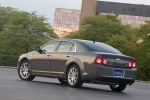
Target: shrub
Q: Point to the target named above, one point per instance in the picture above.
(8, 60)
(143, 73)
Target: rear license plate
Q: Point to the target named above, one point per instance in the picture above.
(118, 73)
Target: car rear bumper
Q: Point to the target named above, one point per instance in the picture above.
(106, 74)
(113, 80)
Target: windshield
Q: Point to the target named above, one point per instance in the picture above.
(101, 47)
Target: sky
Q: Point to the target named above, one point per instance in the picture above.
(47, 7)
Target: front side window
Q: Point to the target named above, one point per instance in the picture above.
(50, 47)
(65, 47)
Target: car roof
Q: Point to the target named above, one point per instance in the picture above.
(75, 40)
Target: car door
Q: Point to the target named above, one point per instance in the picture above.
(65, 52)
(41, 61)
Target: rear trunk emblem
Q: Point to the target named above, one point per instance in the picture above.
(117, 59)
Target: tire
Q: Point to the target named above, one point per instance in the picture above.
(74, 77)
(118, 88)
(25, 71)
(62, 81)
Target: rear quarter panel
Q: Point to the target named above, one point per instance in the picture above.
(85, 62)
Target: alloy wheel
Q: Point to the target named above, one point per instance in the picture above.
(25, 70)
(73, 76)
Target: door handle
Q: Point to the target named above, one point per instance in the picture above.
(48, 55)
(68, 55)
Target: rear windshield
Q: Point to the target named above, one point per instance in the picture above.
(101, 47)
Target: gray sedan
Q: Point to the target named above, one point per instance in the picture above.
(75, 62)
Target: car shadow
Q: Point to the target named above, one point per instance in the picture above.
(98, 89)
(83, 88)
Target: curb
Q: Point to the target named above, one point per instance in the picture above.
(8, 67)
(142, 81)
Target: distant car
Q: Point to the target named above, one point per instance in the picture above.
(75, 62)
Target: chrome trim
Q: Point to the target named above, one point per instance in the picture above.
(69, 51)
(37, 71)
(47, 72)
(52, 72)
(59, 45)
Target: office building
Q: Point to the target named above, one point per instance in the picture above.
(132, 14)
(68, 20)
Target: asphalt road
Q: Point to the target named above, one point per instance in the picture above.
(12, 88)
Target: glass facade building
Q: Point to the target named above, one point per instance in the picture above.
(134, 21)
(66, 20)
(132, 14)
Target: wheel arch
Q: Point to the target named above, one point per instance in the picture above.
(78, 63)
(73, 63)
(21, 60)
(25, 58)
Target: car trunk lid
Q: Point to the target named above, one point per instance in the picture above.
(116, 60)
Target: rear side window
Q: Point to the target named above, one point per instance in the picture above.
(50, 47)
(65, 47)
(101, 47)
(73, 49)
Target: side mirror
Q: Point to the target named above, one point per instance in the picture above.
(38, 49)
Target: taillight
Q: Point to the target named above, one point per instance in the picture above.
(132, 64)
(101, 60)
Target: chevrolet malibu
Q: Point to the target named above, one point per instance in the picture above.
(75, 62)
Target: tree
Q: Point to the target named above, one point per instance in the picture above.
(143, 51)
(143, 33)
(107, 29)
(23, 31)
(5, 14)
(99, 28)
(126, 45)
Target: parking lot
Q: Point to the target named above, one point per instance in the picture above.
(12, 88)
